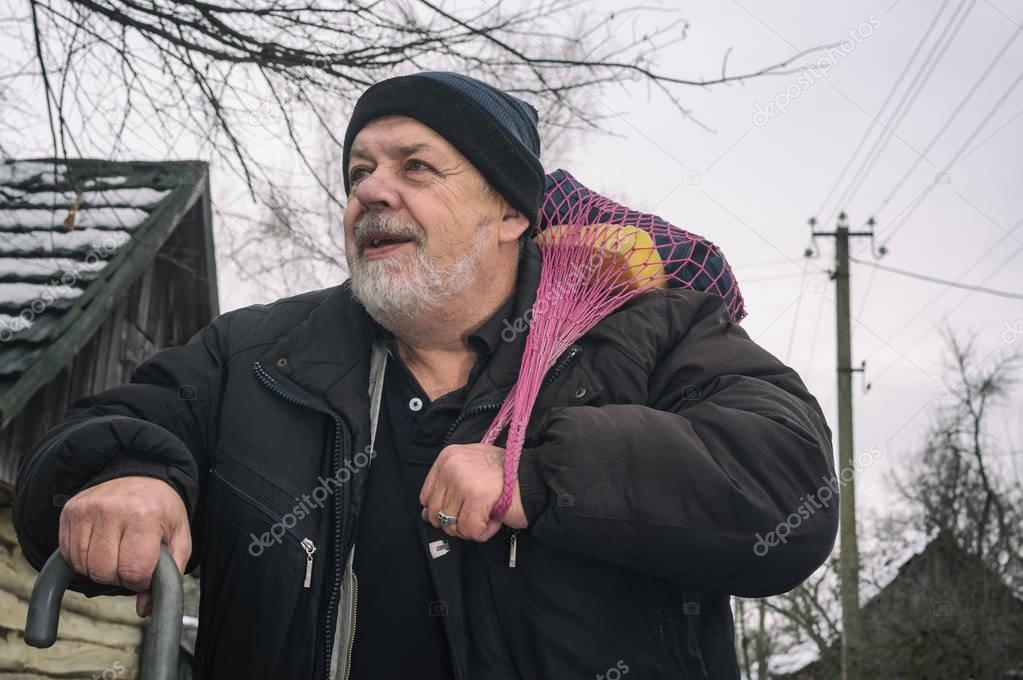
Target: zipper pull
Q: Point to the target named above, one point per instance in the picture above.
(514, 548)
(310, 548)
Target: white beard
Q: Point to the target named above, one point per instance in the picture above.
(401, 288)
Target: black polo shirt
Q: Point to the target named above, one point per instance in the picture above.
(399, 628)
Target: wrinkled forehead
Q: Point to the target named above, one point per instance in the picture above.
(397, 137)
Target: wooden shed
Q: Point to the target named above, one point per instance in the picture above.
(101, 264)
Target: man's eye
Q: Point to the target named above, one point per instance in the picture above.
(417, 165)
(356, 174)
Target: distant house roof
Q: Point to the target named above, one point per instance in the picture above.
(883, 577)
(74, 236)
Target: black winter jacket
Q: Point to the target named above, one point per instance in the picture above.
(664, 446)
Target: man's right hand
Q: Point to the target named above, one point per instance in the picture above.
(112, 533)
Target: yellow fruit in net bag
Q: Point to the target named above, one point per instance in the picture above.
(618, 249)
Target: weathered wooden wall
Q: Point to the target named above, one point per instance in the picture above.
(98, 637)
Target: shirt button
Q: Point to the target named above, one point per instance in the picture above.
(415, 403)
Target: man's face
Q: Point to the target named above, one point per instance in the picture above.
(419, 228)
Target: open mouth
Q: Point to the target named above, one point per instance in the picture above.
(383, 244)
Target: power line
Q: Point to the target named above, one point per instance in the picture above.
(921, 309)
(920, 80)
(945, 282)
(866, 293)
(948, 122)
(927, 333)
(795, 317)
(906, 214)
(816, 328)
(891, 93)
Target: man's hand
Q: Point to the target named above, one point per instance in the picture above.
(466, 480)
(112, 533)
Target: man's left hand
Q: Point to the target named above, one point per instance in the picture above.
(466, 480)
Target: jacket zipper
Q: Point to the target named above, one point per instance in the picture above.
(304, 543)
(513, 548)
(472, 410)
(558, 369)
(351, 636)
(310, 548)
(268, 381)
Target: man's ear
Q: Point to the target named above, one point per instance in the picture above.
(513, 224)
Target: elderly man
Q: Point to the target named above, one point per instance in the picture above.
(325, 475)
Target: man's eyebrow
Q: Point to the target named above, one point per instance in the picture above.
(400, 152)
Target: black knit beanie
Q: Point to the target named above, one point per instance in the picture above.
(495, 131)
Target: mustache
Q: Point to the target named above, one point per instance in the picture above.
(372, 224)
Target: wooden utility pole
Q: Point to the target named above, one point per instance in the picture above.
(849, 558)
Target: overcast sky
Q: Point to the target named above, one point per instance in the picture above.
(760, 180)
(752, 183)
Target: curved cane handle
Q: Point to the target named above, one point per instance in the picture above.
(163, 639)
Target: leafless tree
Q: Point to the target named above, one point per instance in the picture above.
(240, 79)
(957, 483)
(811, 612)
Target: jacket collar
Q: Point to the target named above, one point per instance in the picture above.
(508, 340)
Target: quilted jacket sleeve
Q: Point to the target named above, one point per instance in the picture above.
(160, 425)
(708, 484)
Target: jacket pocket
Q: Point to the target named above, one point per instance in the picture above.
(257, 617)
(279, 532)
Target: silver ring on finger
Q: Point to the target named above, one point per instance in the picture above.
(446, 519)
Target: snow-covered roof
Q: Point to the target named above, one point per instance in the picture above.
(63, 227)
(105, 196)
(76, 244)
(13, 173)
(25, 294)
(45, 268)
(886, 567)
(27, 219)
(796, 658)
(94, 254)
(877, 574)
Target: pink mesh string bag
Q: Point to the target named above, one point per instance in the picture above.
(597, 255)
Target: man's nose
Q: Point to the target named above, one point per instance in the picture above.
(378, 191)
